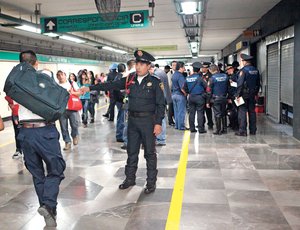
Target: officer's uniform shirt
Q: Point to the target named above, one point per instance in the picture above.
(146, 96)
(219, 84)
(250, 75)
(178, 82)
(193, 87)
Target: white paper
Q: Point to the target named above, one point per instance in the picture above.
(240, 102)
(233, 84)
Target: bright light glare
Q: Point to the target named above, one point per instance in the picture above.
(189, 7)
(114, 50)
(29, 29)
(72, 39)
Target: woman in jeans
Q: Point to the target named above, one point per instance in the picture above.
(85, 98)
(93, 96)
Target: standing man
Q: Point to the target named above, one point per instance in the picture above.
(218, 89)
(248, 85)
(179, 96)
(146, 109)
(40, 145)
(69, 115)
(155, 71)
(196, 88)
(206, 76)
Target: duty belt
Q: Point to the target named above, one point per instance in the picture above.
(141, 114)
(29, 125)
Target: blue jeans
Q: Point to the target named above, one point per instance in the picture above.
(73, 117)
(161, 138)
(120, 121)
(42, 145)
(179, 103)
(85, 106)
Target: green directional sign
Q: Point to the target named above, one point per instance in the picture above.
(86, 22)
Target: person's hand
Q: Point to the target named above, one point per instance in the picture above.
(157, 130)
(229, 101)
(207, 105)
(238, 99)
(84, 89)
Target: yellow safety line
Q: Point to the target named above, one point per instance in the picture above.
(174, 215)
(101, 107)
(7, 143)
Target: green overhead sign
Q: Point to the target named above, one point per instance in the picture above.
(87, 22)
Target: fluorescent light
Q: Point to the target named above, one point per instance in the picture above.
(189, 7)
(29, 29)
(52, 35)
(72, 39)
(194, 47)
(114, 50)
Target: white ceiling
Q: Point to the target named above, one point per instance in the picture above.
(224, 21)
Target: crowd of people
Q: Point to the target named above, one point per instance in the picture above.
(147, 98)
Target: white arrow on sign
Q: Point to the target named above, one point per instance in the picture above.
(50, 25)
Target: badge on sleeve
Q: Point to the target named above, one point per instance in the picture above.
(149, 84)
(161, 85)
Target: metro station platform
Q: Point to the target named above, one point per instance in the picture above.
(230, 183)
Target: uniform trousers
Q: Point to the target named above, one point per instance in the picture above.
(196, 104)
(140, 131)
(42, 145)
(249, 107)
(219, 107)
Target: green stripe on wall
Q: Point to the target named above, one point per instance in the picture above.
(14, 56)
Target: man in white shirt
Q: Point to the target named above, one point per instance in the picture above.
(69, 115)
(40, 144)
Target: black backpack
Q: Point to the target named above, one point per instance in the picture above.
(36, 91)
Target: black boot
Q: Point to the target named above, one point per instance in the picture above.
(224, 124)
(218, 126)
(127, 183)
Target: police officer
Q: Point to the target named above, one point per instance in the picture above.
(231, 106)
(247, 87)
(206, 76)
(218, 89)
(196, 88)
(146, 109)
(40, 144)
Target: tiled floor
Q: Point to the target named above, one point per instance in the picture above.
(231, 183)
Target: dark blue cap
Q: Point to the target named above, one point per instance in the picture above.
(206, 64)
(197, 65)
(246, 57)
(143, 56)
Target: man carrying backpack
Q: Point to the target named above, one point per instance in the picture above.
(40, 144)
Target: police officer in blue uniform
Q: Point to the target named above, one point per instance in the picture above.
(146, 110)
(247, 87)
(218, 90)
(196, 88)
(206, 76)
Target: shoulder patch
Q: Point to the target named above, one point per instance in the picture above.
(155, 77)
(161, 85)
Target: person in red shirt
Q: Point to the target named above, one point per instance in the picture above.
(15, 120)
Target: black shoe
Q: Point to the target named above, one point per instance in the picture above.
(217, 133)
(193, 130)
(124, 146)
(48, 215)
(92, 120)
(252, 133)
(126, 184)
(149, 189)
(110, 120)
(171, 123)
(120, 140)
(105, 115)
(202, 131)
(160, 144)
(241, 134)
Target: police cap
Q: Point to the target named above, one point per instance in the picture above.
(143, 56)
(235, 64)
(206, 64)
(229, 66)
(197, 65)
(246, 57)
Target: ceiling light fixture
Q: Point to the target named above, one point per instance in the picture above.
(189, 7)
(28, 28)
(72, 39)
(114, 50)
